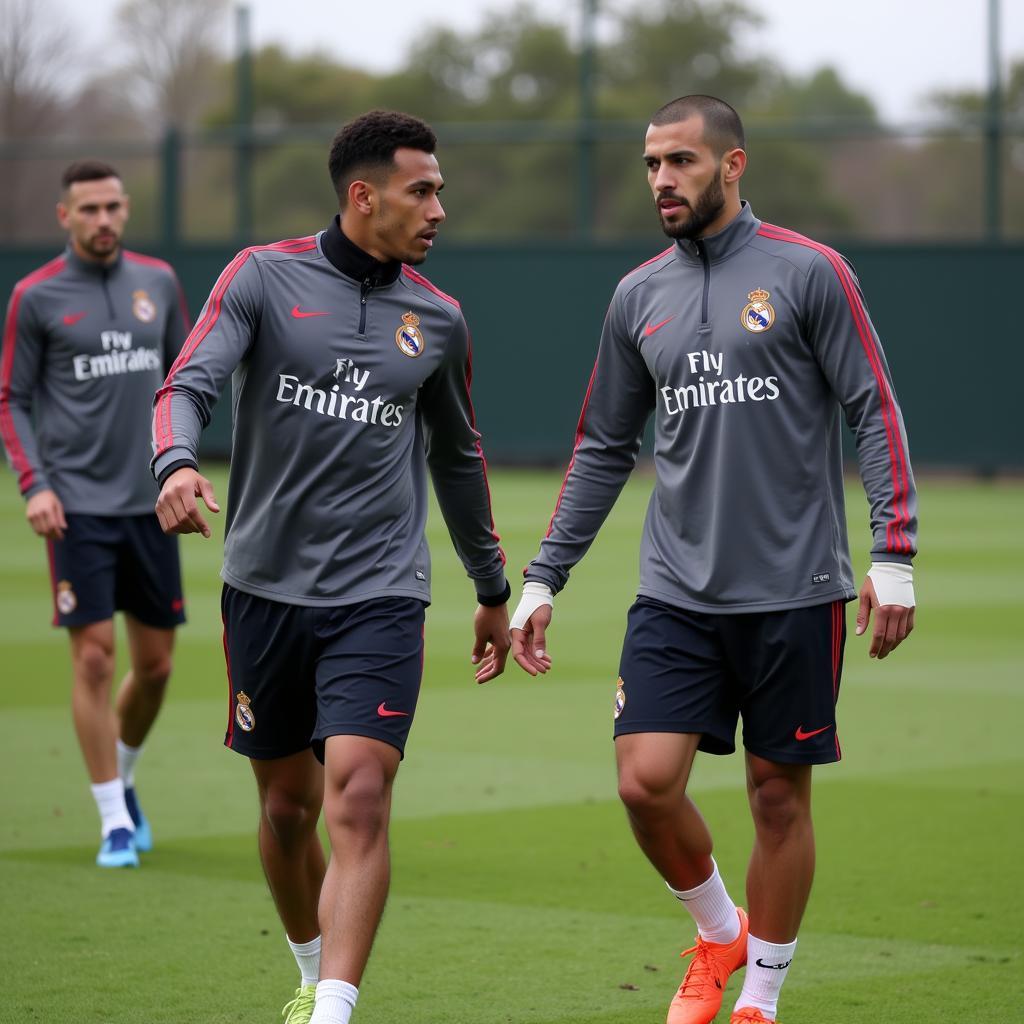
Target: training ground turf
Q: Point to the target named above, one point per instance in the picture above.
(518, 894)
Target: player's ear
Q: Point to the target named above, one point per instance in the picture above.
(127, 200)
(734, 163)
(361, 196)
(62, 216)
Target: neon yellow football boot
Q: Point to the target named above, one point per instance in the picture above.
(300, 1009)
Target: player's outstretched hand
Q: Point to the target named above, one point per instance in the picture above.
(490, 626)
(529, 627)
(45, 514)
(888, 593)
(177, 508)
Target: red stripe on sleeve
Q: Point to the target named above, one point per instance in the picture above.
(19, 461)
(162, 417)
(647, 263)
(896, 536)
(418, 278)
(477, 444)
(147, 261)
(575, 447)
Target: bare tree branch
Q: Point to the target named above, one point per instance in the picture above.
(34, 49)
(174, 44)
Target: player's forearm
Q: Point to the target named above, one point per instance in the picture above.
(177, 426)
(22, 449)
(888, 481)
(465, 506)
(593, 484)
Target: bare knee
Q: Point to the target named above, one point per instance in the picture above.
(290, 817)
(779, 804)
(94, 663)
(647, 793)
(154, 672)
(359, 802)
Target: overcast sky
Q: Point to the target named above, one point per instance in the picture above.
(896, 51)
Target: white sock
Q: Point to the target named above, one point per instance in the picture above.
(109, 797)
(767, 967)
(710, 906)
(126, 758)
(335, 1001)
(307, 956)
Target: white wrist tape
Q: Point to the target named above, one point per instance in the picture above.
(893, 583)
(535, 595)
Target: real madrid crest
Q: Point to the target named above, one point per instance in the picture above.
(758, 314)
(408, 337)
(243, 712)
(66, 600)
(142, 307)
(620, 696)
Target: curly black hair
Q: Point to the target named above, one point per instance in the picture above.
(368, 143)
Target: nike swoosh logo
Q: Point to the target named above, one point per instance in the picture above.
(72, 318)
(801, 735)
(773, 967)
(300, 314)
(384, 713)
(651, 328)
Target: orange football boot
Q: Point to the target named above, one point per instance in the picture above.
(700, 996)
(749, 1015)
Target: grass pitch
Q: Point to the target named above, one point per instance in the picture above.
(518, 894)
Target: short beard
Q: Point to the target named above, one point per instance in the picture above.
(100, 253)
(710, 204)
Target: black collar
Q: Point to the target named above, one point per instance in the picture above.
(347, 258)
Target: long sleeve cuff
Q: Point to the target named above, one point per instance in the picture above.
(173, 467)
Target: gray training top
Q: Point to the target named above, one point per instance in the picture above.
(85, 347)
(346, 386)
(746, 345)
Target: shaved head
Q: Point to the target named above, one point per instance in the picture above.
(723, 129)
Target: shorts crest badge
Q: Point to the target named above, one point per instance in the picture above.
(243, 712)
(142, 307)
(620, 696)
(408, 337)
(66, 600)
(758, 314)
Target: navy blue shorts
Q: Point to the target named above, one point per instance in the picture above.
(116, 563)
(684, 671)
(298, 674)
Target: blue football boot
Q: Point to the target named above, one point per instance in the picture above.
(118, 850)
(143, 835)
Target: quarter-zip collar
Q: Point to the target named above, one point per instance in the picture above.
(733, 237)
(92, 266)
(347, 258)
(101, 272)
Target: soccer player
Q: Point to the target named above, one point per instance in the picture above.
(351, 380)
(87, 341)
(746, 341)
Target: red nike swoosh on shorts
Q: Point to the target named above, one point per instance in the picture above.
(72, 318)
(801, 735)
(384, 713)
(651, 328)
(301, 314)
